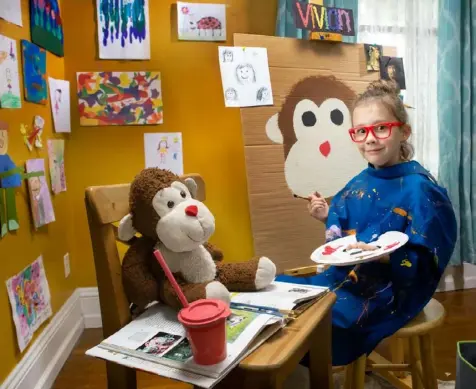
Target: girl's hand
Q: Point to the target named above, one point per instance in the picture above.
(318, 207)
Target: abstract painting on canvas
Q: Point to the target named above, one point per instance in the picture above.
(60, 104)
(47, 26)
(56, 159)
(119, 98)
(10, 96)
(123, 29)
(40, 199)
(34, 72)
(201, 22)
(30, 301)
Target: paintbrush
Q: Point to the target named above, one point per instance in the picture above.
(300, 197)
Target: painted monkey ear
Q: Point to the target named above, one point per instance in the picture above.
(126, 231)
(192, 186)
(272, 129)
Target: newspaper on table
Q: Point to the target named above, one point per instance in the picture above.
(156, 342)
(280, 297)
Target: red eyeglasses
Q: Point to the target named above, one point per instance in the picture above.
(378, 130)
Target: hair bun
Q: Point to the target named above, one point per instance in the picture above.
(384, 87)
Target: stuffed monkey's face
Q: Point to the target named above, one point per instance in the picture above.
(185, 223)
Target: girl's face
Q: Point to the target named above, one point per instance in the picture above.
(379, 152)
(244, 73)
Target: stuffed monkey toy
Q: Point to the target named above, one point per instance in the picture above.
(168, 217)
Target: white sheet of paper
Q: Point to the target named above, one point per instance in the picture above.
(10, 95)
(245, 76)
(60, 104)
(164, 150)
(10, 10)
(125, 36)
(201, 22)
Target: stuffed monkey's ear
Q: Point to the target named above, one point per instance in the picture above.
(273, 131)
(126, 231)
(192, 186)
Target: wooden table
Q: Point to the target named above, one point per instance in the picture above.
(269, 365)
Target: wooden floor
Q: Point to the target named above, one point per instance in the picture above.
(81, 371)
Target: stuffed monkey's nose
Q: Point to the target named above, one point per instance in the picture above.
(191, 210)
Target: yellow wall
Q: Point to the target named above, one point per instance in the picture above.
(193, 105)
(17, 250)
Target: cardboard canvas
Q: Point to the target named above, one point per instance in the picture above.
(301, 144)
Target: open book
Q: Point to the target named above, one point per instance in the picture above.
(156, 341)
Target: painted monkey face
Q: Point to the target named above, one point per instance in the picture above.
(313, 127)
(185, 223)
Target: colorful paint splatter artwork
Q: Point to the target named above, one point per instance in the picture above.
(30, 300)
(123, 29)
(119, 98)
(34, 72)
(10, 96)
(47, 26)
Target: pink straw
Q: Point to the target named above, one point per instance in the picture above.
(171, 278)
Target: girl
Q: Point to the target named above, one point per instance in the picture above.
(375, 299)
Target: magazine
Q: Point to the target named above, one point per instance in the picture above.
(279, 298)
(156, 342)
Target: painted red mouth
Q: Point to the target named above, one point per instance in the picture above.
(325, 148)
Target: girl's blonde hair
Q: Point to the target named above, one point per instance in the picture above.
(388, 92)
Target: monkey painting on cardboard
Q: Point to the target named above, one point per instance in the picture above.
(312, 125)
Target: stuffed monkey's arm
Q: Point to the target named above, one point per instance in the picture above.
(217, 254)
(140, 285)
(192, 292)
(251, 275)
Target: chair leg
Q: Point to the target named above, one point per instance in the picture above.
(415, 363)
(359, 372)
(428, 362)
(349, 376)
(398, 354)
(120, 377)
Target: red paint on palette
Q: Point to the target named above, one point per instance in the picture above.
(390, 246)
(328, 250)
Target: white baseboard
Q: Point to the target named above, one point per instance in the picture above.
(46, 356)
(90, 308)
(458, 277)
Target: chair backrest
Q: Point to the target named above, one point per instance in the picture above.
(106, 205)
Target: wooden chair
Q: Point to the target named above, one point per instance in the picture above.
(417, 335)
(267, 367)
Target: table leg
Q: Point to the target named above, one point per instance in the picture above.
(239, 379)
(320, 353)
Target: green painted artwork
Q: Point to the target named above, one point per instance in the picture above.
(47, 26)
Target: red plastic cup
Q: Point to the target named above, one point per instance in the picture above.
(205, 323)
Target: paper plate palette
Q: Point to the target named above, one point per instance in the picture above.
(335, 253)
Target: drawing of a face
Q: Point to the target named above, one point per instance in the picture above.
(228, 56)
(245, 74)
(3, 141)
(35, 185)
(231, 94)
(263, 94)
(312, 126)
(392, 72)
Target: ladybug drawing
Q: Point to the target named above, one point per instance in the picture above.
(202, 25)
